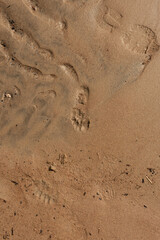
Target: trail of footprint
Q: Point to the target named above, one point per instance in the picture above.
(34, 8)
(139, 39)
(30, 71)
(20, 35)
(79, 117)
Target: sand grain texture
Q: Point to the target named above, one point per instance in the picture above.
(79, 120)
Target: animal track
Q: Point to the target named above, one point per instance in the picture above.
(79, 117)
(20, 35)
(140, 40)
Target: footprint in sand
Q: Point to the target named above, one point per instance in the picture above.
(106, 17)
(79, 117)
(140, 40)
(43, 192)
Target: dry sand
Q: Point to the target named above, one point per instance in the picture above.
(79, 119)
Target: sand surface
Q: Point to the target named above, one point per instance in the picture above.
(80, 119)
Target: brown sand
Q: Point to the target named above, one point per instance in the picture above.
(79, 119)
